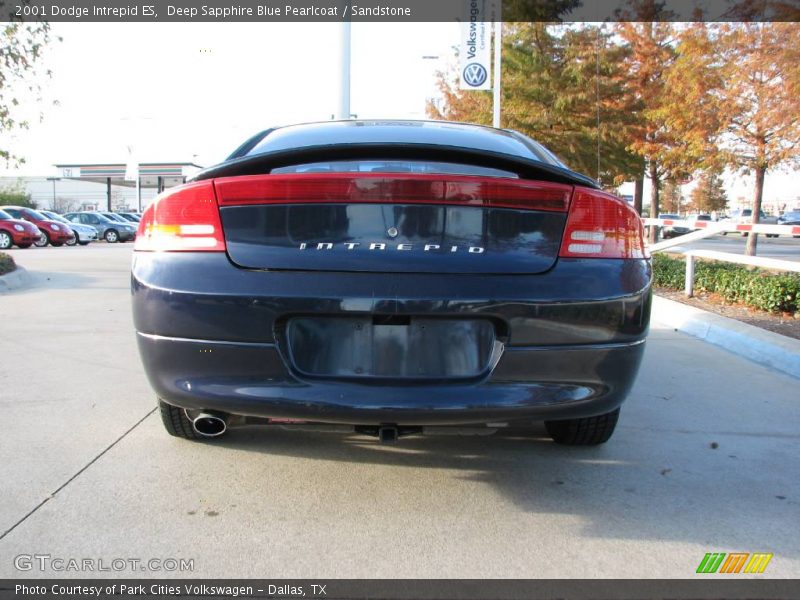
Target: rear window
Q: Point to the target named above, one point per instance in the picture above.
(393, 166)
(4, 216)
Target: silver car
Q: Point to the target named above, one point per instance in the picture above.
(84, 234)
(109, 230)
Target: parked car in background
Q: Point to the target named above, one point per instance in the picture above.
(53, 232)
(84, 234)
(697, 217)
(745, 217)
(390, 277)
(670, 231)
(791, 217)
(132, 217)
(111, 231)
(16, 232)
(115, 217)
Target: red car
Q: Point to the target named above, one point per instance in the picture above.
(53, 232)
(16, 231)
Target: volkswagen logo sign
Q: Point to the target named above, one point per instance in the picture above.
(392, 232)
(475, 74)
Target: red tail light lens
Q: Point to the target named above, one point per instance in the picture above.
(600, 225)
(184, 218)
(401, 188)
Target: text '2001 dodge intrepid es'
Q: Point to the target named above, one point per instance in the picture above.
(390, 278)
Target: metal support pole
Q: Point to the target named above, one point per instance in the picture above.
(344, 89)
(689, 282)
(498, 52)
(108, 193)
(138, 192)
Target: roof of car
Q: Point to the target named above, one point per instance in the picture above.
(443, 133)
(289, 144)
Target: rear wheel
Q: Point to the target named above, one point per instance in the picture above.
(42, 241)
(73, 240)
(111, 236)
(588, 431)
(176, 422)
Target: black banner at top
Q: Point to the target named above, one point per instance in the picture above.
(151, 11)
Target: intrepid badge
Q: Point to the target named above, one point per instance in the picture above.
(380, 246)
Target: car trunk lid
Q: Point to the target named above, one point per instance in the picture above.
(392, 222)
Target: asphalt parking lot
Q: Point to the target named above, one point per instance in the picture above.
(706, 459)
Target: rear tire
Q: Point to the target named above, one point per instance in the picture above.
(176, 422)
(589, 431)
(42, 241)
(73, 240)
(111, 236)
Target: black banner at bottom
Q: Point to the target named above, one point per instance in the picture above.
(711, 588)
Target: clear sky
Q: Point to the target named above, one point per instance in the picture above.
(194, 91)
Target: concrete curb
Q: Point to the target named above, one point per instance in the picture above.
(753, 343)
(16, 280)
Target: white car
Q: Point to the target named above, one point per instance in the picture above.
(83, 233)
(745, 217)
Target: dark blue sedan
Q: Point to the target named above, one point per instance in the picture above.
(391, 278)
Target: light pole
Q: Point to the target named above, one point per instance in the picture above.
(344, 68)
(498, 53)
(54, 179)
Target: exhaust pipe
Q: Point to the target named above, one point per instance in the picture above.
(210, 424)
(387, 434)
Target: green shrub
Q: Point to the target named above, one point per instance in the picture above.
(6, 263)
(734, 283)
(16, 195)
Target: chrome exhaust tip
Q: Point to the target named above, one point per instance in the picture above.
(210, 424)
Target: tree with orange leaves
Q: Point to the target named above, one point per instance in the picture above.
(760, 101)
(562, 85)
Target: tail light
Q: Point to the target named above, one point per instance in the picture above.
(185, 218)
(600, 225)
(405, 188)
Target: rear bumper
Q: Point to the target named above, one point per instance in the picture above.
(527, 384)
(210, 337)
